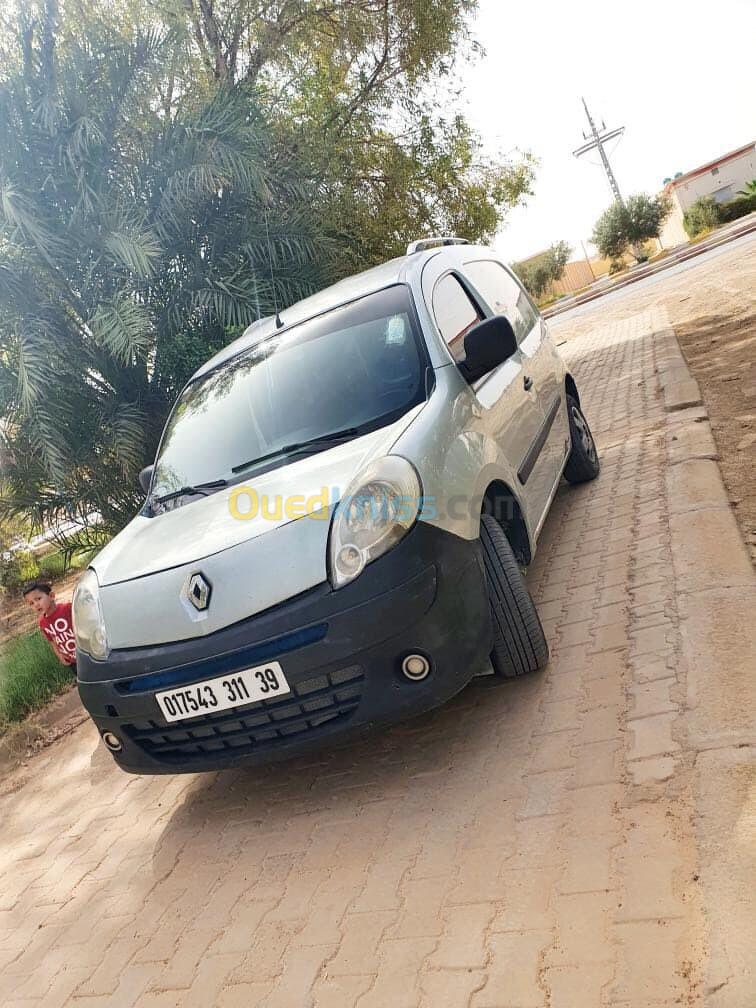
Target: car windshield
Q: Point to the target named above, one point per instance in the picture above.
(344, 373)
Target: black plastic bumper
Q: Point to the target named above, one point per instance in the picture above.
(340, 651)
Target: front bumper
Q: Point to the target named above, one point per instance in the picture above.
(340, 651)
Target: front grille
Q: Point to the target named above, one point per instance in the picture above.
(312, 705)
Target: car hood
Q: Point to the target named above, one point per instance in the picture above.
(209, 525)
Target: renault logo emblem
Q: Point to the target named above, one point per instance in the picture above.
(198, 592)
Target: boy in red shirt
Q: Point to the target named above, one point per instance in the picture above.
(55, 620)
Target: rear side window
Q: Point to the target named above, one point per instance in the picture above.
(503, 295)
(455, 314)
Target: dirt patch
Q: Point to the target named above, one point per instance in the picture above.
(23, 740)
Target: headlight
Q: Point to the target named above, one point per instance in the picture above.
(89, 626)
(378, 509)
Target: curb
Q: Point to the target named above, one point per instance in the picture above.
(716, 592)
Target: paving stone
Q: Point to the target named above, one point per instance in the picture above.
(654, 770)
(512, 976)
(577, 985)
(652, 736)
(651, 698)
(398, 982)
(448, 988)
(462, 945)
(597, 763)
(649, 861)
(583, 923)
(650, 962)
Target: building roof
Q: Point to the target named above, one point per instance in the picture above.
(708, 167)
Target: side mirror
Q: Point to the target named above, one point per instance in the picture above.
(145, 478)
(487, 345)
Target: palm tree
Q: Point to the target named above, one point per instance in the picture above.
(133, 237)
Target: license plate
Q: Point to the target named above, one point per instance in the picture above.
(234, 690)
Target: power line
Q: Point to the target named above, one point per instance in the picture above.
(596, 141)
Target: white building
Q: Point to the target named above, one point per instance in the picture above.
(721, 179)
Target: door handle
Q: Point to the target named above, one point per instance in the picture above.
(527, 383)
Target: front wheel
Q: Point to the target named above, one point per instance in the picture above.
(583, 464)
(519, 641)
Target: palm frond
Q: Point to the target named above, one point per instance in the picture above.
(35, 376)
(123, 327)
(19, 215)
(125, 436)
(137, 250)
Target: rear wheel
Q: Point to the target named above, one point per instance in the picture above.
(583, 464)
(519, 642)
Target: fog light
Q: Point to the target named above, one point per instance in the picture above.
(112, 741)
(415, 667)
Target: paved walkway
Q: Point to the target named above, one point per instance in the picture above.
(574, 839)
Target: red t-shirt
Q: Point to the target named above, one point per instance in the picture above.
(58, 628)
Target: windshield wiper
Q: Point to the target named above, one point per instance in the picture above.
(201, 488)
(290, 449)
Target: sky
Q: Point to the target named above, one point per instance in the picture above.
(680, 75)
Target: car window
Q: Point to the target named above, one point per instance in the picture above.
(455, 314)
(503, 294)
(354, 368)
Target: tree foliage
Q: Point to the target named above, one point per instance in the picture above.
(539, 273)
(701, 216)
(170, 172)
(629, 224)
(130, 244)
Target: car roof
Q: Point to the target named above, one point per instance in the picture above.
(403, 269)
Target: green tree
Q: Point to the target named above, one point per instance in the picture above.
(361, 92)
(749, 189)
(628, 225)
(129, 244)
(147, 150)
(702, 215)
(539, 273)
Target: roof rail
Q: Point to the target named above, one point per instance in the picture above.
(427, 243)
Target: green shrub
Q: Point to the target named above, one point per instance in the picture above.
(23, 565)
(616, 266)
(738, 207)
(30, 675)
(702, 214)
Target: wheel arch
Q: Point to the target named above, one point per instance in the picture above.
(571, 387)
(501, 503)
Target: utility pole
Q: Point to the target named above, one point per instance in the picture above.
(596, 141)
(585, 254)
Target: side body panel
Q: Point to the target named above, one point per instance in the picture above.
(490, 429)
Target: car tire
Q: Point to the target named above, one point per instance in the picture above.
(583, 464)
(519, 643)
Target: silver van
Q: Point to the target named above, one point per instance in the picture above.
(337, 520)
